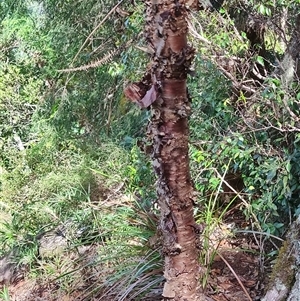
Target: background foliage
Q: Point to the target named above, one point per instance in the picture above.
(68, 139)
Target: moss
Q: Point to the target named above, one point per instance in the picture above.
(284, 266)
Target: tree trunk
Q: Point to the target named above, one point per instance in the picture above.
(164, 86)
(169, 131)
(290, 66)
(285, 277)
(175, 192)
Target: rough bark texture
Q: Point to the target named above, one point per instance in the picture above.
(164, 88)
(285, 278)
(290, 66)
(169, 132)
(167, 36)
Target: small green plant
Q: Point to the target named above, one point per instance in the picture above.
(139, 174)
(212, 215)
(4, 294)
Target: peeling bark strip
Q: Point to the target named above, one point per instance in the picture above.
(169, 133)
(164, 88)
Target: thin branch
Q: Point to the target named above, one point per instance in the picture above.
(258, 232)
(293, 115)
(101, 47)
(95, 29)
(237, 34)
(195, 34)
(235, 275)
(234, 81)
(238, 194)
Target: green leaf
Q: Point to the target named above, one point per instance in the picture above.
(262, 9)
(278, 225)
(285, 181)
(260, 60)
(268, 11)
(271, 174)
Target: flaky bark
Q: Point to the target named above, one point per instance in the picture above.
(164, 86)
(167, 34)
(169, 131)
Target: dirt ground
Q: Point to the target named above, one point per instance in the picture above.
(236, 273)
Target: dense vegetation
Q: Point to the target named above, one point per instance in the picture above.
(71, 144)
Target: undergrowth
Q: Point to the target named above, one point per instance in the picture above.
(69, 154)
(106, 195)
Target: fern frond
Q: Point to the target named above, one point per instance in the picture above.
(106, 59)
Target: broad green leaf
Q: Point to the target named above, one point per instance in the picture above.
(260, 60)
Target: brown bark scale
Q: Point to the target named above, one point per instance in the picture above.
(166, 32)
(164, 89)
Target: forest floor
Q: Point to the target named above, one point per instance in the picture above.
(237, 271)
